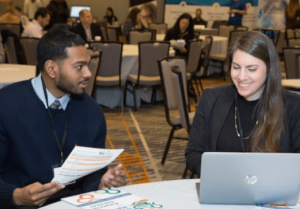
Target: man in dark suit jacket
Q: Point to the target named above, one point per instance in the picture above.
(198, 19)
(86, 28)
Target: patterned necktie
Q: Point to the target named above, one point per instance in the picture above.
(55, 104)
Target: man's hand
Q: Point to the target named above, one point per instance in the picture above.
(114, 177)
(183, 49)
(35, 194)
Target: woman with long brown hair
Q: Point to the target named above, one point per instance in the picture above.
(253, 115)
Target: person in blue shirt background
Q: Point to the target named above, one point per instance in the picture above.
(236, 12)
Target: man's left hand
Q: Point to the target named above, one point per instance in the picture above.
(114, 177)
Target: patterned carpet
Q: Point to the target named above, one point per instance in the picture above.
(143, 135)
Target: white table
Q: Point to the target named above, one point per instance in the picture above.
(11, 73)
(176, 194)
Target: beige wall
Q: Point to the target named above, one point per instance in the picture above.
(120, 7)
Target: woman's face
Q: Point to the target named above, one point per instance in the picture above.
(248, 74)
(108, 13)
(184, 24)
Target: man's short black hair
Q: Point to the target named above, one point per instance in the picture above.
(53, 44)
(41, 12)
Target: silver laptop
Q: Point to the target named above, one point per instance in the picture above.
(249, 178)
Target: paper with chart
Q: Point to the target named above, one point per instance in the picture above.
(83, 161)
(111, 198)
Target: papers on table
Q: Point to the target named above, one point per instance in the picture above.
(83, 161)
(110, 198)
(177, 43)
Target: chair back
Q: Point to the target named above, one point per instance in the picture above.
(224, 30)
(293, 42)
(180, 89)
(160, 28)
(112, 33)
(10, 49)
(149, 53)
(94, 68)
(165, 70)
(217, 23)
(245, 28)
(104, 33)
(289, 33)
(30, 49)
(194, 53)
(136, 36)
(297, 73)
(280, 41)
(297, 33)
(15, 28)
(205, 54)
(111, 58)
(290, 55)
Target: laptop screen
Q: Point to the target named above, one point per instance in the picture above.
(76, 9)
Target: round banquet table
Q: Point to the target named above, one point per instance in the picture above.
(175, 194)
(11, 73)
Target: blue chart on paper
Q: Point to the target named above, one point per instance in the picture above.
(209, 2)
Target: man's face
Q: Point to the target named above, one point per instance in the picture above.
(86, 19)
(74, 73)
(198, 14)
(44, 21)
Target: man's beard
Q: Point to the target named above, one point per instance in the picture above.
(64, 85)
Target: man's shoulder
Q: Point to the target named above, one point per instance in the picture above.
(14, 91)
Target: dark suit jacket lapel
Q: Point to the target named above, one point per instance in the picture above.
(220, 112)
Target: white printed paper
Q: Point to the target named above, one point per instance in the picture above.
(83, 161)
(110, 198)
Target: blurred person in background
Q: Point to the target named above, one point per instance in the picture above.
(23, 18)
(292, 14)
(30, 7)
(110, 17)
(60, 12)
(86, 28)
(35, 27)
(183, 29)
(10, 16)
(236, 12)
(133, 22)
(198, 19)
(148, 14)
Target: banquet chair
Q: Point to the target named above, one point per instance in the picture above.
(280, 42)
(10, 50)
(15, 28)
(224, 30)
(221, 58)
(245, 28)
(170, 94)
(104, 33)
(109, 74)
(204, 61)
(94, 68)
(186, 118)
(293, 42)
(112, 33)
(136, 36)
(30, 49)
(193, 61)
(217, 23)
(160, 28)
(290, 57)
(148, 73)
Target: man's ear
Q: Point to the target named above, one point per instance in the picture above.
(51, 68)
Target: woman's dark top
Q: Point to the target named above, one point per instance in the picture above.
(228, 140)
(292, 22)
(171, 35)
(111, 19)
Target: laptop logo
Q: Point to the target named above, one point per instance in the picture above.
(250, 179)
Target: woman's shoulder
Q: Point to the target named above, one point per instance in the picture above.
(218, 92)
(291, 99)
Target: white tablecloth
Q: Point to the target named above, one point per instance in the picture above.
(177, 194)
(11, 73)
